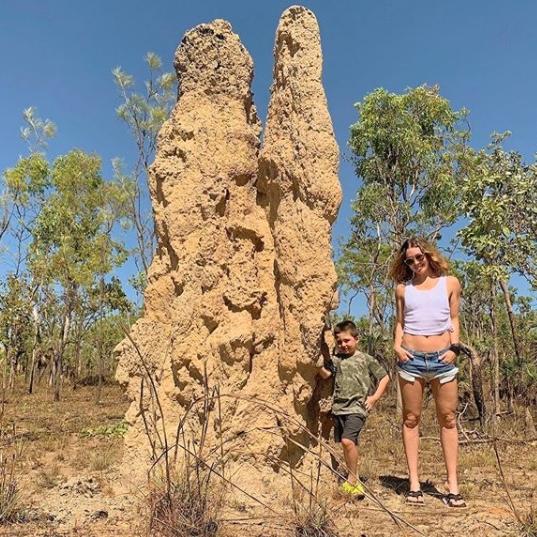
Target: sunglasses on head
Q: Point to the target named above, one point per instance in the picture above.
(416, 259)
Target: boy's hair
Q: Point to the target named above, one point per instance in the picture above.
(346, 326)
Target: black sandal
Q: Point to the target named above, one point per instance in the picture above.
(450, 499)
(417, 495)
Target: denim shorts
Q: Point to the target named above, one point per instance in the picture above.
(428, 366)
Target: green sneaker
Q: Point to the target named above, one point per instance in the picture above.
(355, 491)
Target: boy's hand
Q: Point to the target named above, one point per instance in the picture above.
(370, 402)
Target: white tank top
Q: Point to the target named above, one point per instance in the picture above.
(427, 313)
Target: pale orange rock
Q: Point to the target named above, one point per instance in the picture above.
(243, 276)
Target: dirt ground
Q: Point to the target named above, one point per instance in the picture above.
(68, 454)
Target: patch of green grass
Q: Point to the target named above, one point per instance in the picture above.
(118, 430)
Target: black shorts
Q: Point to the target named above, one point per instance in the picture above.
(347, 426)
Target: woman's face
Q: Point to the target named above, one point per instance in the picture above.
(416, 260)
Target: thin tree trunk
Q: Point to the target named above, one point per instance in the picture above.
(476, 375)
(509, 308)
(78, 360)
(58, 359)
(495, 357)
(35, 315)
(100, 344)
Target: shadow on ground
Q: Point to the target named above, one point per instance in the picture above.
(400, 486)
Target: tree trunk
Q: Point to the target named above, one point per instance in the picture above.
(100, 345)
(34, 349)
(495, 357)
(509, 308)
(476, 363)
(58, 358)
(78, 358)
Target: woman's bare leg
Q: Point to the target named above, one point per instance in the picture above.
(412, 397)
(446, 400)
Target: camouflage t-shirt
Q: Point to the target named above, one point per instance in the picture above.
(353, 382)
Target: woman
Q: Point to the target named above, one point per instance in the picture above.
(427, 344)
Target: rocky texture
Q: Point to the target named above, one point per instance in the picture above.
(300, 186)
(242, 277)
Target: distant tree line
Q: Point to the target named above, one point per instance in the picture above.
(64, 230)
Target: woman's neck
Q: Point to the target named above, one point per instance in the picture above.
(422, 278)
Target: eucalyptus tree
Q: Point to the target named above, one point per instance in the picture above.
(144, 113)
(409, 151)
(25, 187)
(72, 244)
(499, 199)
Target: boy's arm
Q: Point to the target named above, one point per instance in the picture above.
(324, 373)
(325, 365)
(379, 392)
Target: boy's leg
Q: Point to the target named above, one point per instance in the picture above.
(350, 453)
(412, 396)
(352, 426)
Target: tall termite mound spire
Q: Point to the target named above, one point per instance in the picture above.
(299, 176)
(242, 277)
(210, 280)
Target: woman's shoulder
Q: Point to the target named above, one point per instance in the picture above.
(452, 280)
(400, 289)
(453, 283)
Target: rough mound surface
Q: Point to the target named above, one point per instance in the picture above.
(243, 276)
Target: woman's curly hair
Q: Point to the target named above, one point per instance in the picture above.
(400, 272)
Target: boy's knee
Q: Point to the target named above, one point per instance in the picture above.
(411, 420)
(347, 443)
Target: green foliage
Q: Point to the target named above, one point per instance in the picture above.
(30, 177)
(71, 236)
(143, 112)
(111, 431)
(410, 151)
(36, 131)
(499, 198)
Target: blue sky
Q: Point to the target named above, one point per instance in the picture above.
(58, 56)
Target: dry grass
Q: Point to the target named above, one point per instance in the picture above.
(189, 504)
(55, 434)
(12, 508)
(49, 476)
(312, 519)
(528, 525)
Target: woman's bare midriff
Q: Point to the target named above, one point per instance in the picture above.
(432, 343)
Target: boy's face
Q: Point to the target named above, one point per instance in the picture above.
(346, 343)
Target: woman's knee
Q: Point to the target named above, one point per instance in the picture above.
(347, 443)
(411, 420)
(447, 419)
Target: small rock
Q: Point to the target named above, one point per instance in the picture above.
(99, 515)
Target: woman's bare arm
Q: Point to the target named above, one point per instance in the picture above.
(402, 354)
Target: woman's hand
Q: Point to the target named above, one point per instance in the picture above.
(448, 357)
(402, 354)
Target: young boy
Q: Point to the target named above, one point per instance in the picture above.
(351, 403)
